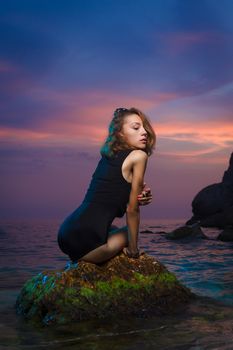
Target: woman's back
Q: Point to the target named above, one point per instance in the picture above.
(106, 198)
(108, 184)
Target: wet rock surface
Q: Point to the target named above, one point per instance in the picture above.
(122, 286)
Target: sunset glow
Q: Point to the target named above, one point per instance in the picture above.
(61, 81)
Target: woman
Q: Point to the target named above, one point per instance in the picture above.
(116, 188)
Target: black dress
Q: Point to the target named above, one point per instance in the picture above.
(106, 198)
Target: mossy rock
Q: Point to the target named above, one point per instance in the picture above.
(122, 286)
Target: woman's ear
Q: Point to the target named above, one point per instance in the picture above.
(120, 134)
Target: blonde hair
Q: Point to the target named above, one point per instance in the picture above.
(114, 142)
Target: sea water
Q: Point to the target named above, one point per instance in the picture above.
(203, 265)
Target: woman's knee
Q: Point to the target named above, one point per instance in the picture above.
(117, 241)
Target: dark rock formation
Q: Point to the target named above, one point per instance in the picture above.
(146, 231)
(122, 286)
(226, 235)
(192, 231)
(213, 205)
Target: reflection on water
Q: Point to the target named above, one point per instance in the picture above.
(205, 266)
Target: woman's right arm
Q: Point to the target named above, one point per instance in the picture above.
(133, 211)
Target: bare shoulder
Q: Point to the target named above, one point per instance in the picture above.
(138, 155)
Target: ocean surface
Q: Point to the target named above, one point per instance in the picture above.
(205, 266)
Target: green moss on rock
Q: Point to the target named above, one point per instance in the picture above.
(121, 286)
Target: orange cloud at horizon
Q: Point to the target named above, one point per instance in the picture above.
(84, 117)
(18, 134)
(211, 131)
(79, 114)
(212, 138)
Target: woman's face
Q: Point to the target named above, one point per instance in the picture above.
(133, 131)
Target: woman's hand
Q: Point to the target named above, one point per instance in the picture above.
(145, 197)
(132, 253)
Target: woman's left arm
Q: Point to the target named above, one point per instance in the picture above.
(132, 211)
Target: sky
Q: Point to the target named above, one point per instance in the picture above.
(65, 66)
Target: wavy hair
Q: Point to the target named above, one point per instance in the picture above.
(114, 142)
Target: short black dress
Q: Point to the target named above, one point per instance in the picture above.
(106, 198)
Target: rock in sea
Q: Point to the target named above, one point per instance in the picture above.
(119, 287)
(226, 235)
(213, 205)
(187, 231)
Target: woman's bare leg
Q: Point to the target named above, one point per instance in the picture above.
(115, 243)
